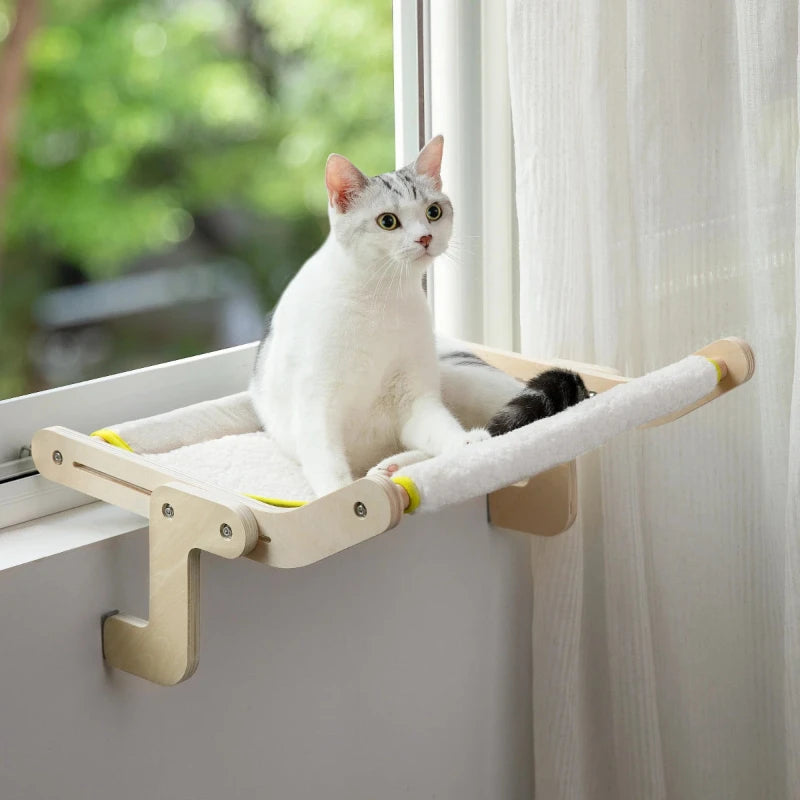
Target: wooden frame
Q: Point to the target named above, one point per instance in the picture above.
(187, 515)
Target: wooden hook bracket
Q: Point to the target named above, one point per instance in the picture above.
(183, 521)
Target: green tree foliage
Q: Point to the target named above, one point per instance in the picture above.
(143, 118)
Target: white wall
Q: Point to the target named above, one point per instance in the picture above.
(400, 668)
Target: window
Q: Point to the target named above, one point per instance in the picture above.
(165, 175)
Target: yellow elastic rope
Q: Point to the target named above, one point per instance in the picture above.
(717, 367)
(275, 501)
(411, 488)
(107, 435)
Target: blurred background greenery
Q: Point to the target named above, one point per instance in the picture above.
(163, 177)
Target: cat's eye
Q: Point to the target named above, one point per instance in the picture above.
(388, 222)
(434, 212)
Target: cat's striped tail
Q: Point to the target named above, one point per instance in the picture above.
(546, 394)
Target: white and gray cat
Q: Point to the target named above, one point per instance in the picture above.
(350, 376)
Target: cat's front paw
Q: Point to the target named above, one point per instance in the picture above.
(390, 465)
(468, 437)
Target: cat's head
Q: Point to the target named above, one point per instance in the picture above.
(400, 217)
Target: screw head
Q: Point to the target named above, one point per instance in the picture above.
(168, 511)
(57, 457)
(225, 531)
(360, 509)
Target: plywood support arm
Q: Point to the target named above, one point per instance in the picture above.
(183, 521)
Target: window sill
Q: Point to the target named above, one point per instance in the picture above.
(66, 530)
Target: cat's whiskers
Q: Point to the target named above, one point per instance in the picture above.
(400, 276)
(385, 269)
(458, 246)
(397, 283)
(390, 291)
(390, 270)
(451, 258)
(405, 269)
(381, 295)
(457, 250)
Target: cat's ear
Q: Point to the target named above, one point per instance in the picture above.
(429, 161)
(344, 180)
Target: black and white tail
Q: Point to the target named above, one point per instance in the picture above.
(481, 396)
(543, 396)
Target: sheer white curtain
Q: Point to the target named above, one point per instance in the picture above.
(657, 194)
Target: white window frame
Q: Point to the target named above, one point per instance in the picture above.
(436, 47)
(451, 77)
(470, 104)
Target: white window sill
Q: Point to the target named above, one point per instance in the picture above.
(67, 530)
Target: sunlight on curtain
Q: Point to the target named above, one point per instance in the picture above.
(655, 150)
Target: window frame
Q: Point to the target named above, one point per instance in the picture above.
(470, 104)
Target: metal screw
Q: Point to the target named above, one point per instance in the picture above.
(57, 457)
(168, 511)
(360, 509)
(225, 531)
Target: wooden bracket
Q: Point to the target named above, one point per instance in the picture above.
(544, 505)
(183, 521)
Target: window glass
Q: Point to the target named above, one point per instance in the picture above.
(163, 176)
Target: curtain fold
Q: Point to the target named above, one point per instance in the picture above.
(656, 170)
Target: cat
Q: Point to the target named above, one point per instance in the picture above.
(349, 376)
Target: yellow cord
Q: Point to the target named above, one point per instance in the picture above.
(718, 368)
(107, 435)
(275, 501)
(411, 488)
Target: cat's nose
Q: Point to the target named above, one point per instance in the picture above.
(425, 240)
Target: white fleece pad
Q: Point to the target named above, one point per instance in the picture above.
(486, 466)
(248, 463)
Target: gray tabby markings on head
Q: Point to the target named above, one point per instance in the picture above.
(400, 182)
